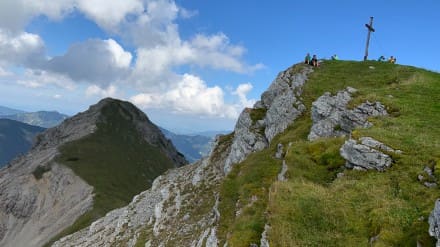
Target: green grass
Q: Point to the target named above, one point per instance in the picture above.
(251, 178)
(257, 114)
(115, 160)
(313, 208)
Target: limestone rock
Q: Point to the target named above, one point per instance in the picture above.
(280, 151)
(161, 212)
(331, 117)
(363, 156)
(246, 140)
(434, 222)
(282, 105)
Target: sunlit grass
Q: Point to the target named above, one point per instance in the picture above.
(314, 208)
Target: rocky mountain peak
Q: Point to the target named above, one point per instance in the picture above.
(66, 173)
(106, 111)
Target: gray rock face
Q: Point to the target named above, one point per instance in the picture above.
(247, 139)
(32, 211)
(331, 117)
(361, 156)
(282, 105)
(180, 209)
(434, 222)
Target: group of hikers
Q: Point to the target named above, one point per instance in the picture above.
(314, 60)
(311, 60)
(315, 63)
(392, 59)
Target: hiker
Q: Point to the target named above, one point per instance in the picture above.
(381, 59)
(307, 59)
(392, 59)
(315, 61)
(335, 57)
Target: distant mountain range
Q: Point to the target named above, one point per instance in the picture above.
(8, 111)
(192, 146)
(45, 119)
(15, 138)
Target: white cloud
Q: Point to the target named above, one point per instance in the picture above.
(186, 13)
(241, 91)
(150, 27)
(4, 72)
(109, 14)
(93, 61)
(94, 90)
(40, 78)
(191, 95)
(57, 96)
(15, 14)
(22, 49)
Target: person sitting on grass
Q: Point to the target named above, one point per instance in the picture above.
(381, 59)
(307, 59)
(315, 61)
(392, 59)
(335, 57)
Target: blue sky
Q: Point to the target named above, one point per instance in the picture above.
(191, 65)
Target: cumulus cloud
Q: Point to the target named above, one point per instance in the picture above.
(22, 49)
(109, 15)
(4, 72)
(94, 61)
(192, 96)
(94, 90)
(15, 14)
(39, 78)
(150, 27)
(242, 91)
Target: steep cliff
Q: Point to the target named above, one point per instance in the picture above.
(92, 163)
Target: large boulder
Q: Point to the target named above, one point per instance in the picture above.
(363, 157)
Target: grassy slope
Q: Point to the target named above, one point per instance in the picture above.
(313, 209)
(116, 161)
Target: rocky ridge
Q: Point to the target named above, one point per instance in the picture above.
(182, 205)
(39, 197)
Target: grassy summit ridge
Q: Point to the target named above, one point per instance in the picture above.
(115, 160)
(313, 208)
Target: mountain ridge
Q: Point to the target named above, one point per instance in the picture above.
(276, 187)
(45, 119)
(33, 184)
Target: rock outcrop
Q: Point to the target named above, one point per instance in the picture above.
(331, 117)
(434, 222)
(364, 157)
(279, 106)
(40, 197)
